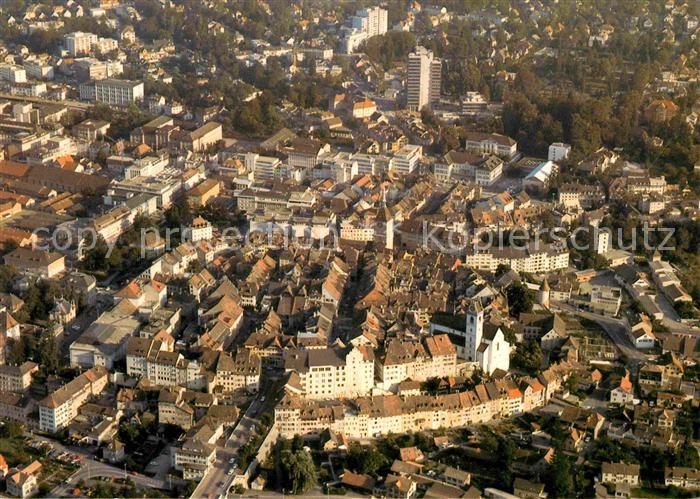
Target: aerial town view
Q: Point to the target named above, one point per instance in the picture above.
(362, 248)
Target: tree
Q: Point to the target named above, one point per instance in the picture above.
(366, 460)
(520, 299)
(300, 471)
(506, 453)
(561, 483)
(528, 357)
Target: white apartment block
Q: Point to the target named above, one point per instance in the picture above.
(373, 21)
(558, 151)
(13, 73)
(406, 159)
(59, 408)
(424, 79)
(38, 69)
(79, 42)
(118, 92)
(17, 378)
(533, 258)
(364, 24)
(263, 167)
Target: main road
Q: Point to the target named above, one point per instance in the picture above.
(217, 482)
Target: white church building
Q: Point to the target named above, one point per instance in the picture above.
(485, 345)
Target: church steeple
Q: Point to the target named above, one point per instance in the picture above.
(544, 293)
(474, 329)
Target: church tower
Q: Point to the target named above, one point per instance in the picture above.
(544, 294)
(474, 330)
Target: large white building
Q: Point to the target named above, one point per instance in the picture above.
(485, 346)
(79, 42)
(406, 159)
(59, 408)
(118, 92)
(13, 73)
(263, 167)
(329, 373)
(365, 24)
(424, 79)
(558, 151)
(534, 258)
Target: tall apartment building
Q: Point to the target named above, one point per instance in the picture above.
(373, 21)
(365, 24)
(59, 408)
(79, 42)
(118, 92)
(424, 79)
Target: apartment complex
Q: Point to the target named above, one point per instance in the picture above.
(364, 24)
(424, 79)
(59, 408)
(79, 43)
(534, 258)
(118, 92)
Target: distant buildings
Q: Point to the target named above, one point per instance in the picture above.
(424, 79)
(365, 23)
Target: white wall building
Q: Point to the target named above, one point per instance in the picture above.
(424, 79)
(558, 151)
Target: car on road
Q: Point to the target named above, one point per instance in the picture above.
(232, 460)
(262, 399)
(229, 471)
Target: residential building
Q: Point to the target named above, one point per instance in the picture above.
(406, 159)
(17, 378)
(59, 408)
(615, 473)
(79, 43)
(424, 79)
(558, 151)
(685, 478)
(118, 92)
(24, 482)
(330, 373)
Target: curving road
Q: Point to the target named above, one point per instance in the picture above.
(90, 469)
